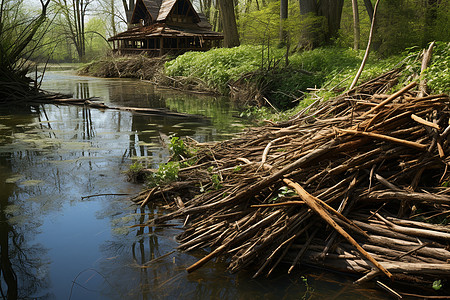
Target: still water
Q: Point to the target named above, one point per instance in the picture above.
(66, 216)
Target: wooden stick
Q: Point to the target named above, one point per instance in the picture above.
(425, 122)
(414, 197)
(310, 200)
(425, 61)
(152, 191)
(428, 233)
(392, 97)
(366, 54)
(383, 137)
(278, 204)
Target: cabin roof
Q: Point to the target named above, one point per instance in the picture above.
(153, 7)
(163, 30)
(158, 11)
(166, 7)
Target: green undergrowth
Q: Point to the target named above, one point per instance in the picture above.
(284, 86)
(330, 70)
(217, 66)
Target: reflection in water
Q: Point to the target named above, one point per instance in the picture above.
(55, 244)
(82, 90)
(53, 156)
(23, 266)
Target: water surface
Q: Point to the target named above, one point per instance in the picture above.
(65, 212)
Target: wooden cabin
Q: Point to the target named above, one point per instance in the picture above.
(159, 27)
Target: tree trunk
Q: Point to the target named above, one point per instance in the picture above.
(128, 8)
(369, 9)
(332, 11)
(284, 4)
(356, 34)
(230, 32)
(113, 16)
(308, 6)
(313, 33)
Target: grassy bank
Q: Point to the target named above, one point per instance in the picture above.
(259, 76)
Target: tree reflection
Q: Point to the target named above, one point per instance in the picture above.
(23, 273)
(82, 90)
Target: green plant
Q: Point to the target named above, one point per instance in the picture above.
(135, 172)
(216, 182)
(309, 289)
(178, 148)
(136, 167)
(284, 191)
(166, 173)
(237, 169)
(437, 285)
(438, 74)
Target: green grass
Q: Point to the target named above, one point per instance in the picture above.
(330, 69)
(280, 84)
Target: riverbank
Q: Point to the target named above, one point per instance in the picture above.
(258, 76)
(357, 184)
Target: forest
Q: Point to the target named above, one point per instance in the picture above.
(56, 31)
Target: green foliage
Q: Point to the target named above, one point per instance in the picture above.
(178, 148)
(96, 44)
(309, 289)
(237, 169)
(136, 167)
(216, 182)
(166, 173)
(260, 27)
(281, 85)
(438, 74)
(217, 66)
(437, 285)
(135, 172)
(284, 191)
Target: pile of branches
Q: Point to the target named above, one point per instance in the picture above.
(135, 66)
(358, 185)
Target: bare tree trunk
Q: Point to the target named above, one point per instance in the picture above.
(284, 5)
(369, 9)
(113, 18)
(74, 13)
(366, 54)
(356, 34)
(331, 10)
(230, 32)
(128, 7)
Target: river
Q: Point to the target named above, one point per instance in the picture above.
(66, 219)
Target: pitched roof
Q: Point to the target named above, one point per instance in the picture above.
(153, 7)
(159, 10)
(166, 7)
(163, 30)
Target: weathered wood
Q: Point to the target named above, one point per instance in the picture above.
(311, 201)
(387, 138)
(355, 165)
